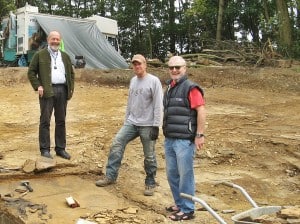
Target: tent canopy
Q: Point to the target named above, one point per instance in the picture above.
(83, 38)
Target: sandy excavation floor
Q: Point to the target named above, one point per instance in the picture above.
(253, 136)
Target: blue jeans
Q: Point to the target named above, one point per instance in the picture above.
(180, 172)
(127, 133)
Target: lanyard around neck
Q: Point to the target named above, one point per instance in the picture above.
(53, 55)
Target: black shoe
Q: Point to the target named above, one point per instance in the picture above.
(46, 154)
(63, 154)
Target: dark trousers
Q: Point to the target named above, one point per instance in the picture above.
(59, 103)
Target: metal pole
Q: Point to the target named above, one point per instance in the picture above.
(244, 192)
(205, 205)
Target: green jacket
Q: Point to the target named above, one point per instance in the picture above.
(39, 72)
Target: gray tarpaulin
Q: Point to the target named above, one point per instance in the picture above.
(83, 38)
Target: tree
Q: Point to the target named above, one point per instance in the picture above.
(5, 7)
(285, 30)
(220, 21)
(172, 33)
(153, 27)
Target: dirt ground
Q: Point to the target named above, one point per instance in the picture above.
(252, 139)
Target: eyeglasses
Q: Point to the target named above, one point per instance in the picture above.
(176, 67)
(136, 63)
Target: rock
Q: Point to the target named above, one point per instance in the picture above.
(29, 166)
(228, 211)
(82, 221)
(209, 154)
(131, 210)
(267, 219)
(293, 221)
(291, 213)
(43, 163)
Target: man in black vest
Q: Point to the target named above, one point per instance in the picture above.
(183, 128)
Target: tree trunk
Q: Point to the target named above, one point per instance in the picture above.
(70, 8)
(266, 11)
(102, 8)
(298, 15)
(285, 29)
(220, 21)
(266, 14)
(149, 26)
(172, 26)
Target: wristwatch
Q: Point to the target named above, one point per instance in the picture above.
(199, 135)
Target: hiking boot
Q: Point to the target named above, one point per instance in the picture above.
(149, 190)
(104, 182)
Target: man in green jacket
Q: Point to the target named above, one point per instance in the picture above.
(51, 74)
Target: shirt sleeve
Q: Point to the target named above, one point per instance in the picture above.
(196, 98)
(157, 103)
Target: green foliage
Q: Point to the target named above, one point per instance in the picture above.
(199, 7)
(269, 28)
(203, 15)
(5, 7)
(153, 27)
(295, 49)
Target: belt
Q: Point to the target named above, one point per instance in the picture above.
(58, 85)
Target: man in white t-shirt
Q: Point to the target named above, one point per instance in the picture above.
(142, 119)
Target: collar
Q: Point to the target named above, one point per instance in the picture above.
(51, 51)
(173, 83)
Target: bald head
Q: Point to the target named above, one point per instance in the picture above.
(176, 61)
(54, 33)
(177, 67)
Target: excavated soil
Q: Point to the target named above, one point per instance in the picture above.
(252, 140)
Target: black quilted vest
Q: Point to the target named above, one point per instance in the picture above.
(180, 121)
